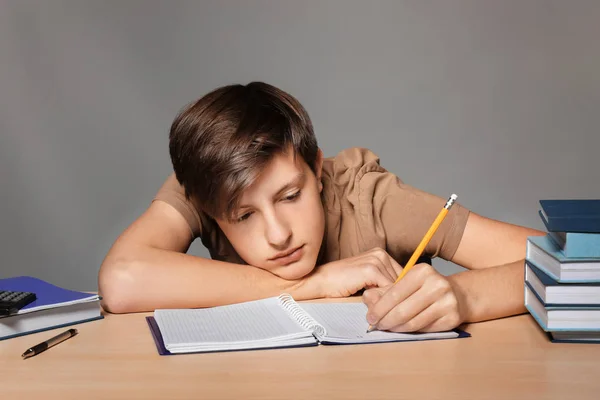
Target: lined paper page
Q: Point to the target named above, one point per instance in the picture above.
(347, 323)
(245, 322)
(341, 320)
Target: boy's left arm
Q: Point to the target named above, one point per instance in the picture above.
(424, 300)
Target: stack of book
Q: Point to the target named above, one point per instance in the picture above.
(562, 271)
(54, 307)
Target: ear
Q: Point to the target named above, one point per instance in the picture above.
(319, 168)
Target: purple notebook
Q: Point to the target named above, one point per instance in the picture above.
(53, 308)
(158, 340)
(48, 295)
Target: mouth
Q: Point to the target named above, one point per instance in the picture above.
(288, 257)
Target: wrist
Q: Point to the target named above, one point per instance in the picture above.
(306, 288)
(462, 297)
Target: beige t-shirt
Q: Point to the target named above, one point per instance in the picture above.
(365, 206)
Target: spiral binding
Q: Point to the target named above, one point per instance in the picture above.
(306, 321)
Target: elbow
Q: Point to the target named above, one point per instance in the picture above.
(116, 286)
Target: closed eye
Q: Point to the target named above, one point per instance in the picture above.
(244, 217)
(292, 196)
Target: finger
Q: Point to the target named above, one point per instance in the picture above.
(448, 321)
(384, 261)
(424, 318)
(395, 295)
(383, 266)
(409, 309)
(442, 324)
(409, 312)
(397, 267)
(375, 277)
(390, 264)
(372, 296)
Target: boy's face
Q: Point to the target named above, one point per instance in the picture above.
(280, 223)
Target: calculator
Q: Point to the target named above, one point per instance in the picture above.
(11, 301)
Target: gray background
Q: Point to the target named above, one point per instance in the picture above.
(498, 101)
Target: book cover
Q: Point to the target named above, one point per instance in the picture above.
(555, 319)
(575, 244)
(53, 308)
(575, 337)
(545, 254)
(162, 350)
(571, 215)
(48, 295)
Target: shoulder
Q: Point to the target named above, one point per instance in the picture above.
(385, 211)
(356, 174)
(352, 161)
(173, 193)
(354, 166)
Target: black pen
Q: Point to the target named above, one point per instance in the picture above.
(38, 348)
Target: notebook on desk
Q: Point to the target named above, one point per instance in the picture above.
(54, 307)
(276, 322)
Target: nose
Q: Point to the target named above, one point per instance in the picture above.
(277, 231)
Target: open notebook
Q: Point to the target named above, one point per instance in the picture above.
(270, 323)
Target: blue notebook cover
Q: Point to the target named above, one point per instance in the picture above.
(48, 295)
(162, 350)
(571, 215)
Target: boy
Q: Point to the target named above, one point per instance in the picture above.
(276, 216)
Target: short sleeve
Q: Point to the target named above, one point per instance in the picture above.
(407, 214)
(391, 214)
(172, 193)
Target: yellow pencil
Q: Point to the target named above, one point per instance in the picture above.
(425, 241)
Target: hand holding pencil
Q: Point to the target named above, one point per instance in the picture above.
(416, 293)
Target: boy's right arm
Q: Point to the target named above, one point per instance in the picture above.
(147, 268)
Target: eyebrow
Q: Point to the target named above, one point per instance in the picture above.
(299, 178)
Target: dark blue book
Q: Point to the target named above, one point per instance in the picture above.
(571, 215)
(575, 337)
(552, 293)
(576, 244)
(562, 318)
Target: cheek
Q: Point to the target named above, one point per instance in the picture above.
(310, 216)
(242, 240)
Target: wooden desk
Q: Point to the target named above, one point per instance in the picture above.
(116, 358)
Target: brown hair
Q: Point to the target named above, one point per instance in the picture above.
(220, 143)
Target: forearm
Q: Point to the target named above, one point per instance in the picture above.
(490, 293)
(150, 278)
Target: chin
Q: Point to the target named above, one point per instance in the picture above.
(295, 271)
